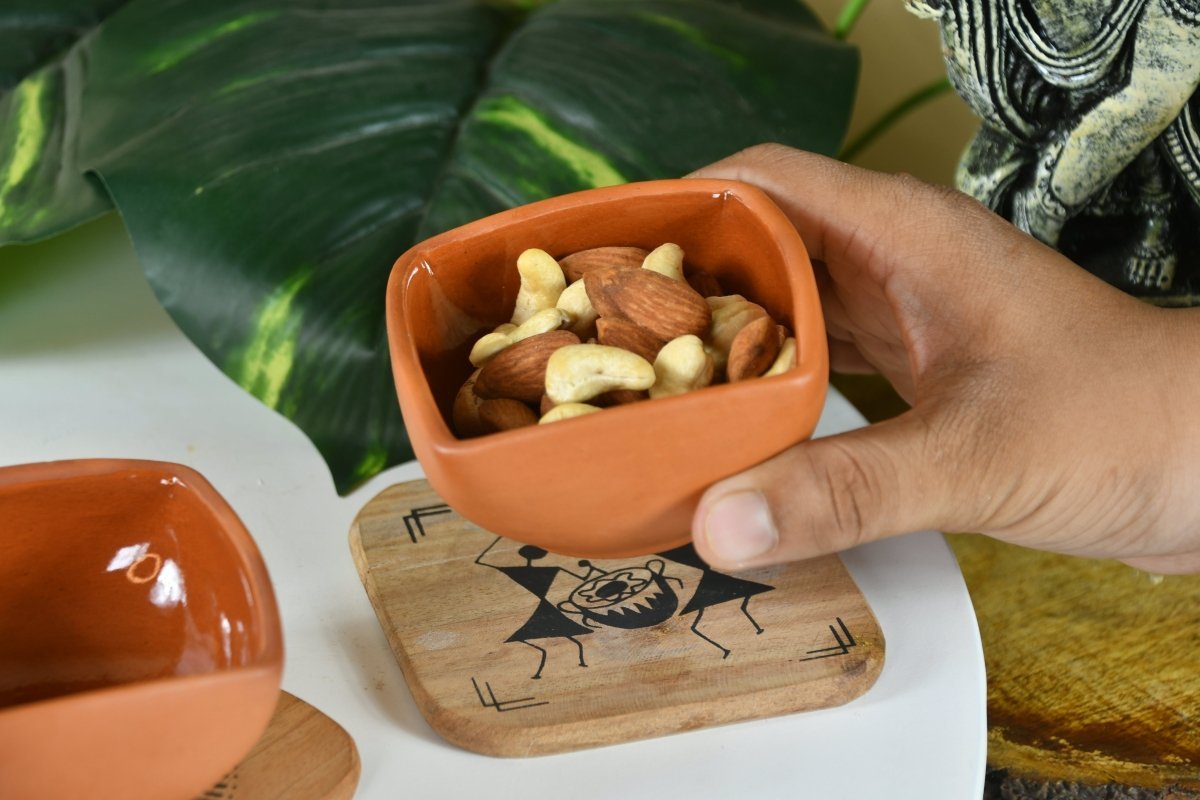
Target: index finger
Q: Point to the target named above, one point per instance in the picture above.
(846, 214)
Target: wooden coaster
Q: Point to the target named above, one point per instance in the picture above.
(302, 755)
(511, 651)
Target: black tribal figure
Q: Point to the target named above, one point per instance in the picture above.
(546, 621)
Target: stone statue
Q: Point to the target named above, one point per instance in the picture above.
(1091, 129)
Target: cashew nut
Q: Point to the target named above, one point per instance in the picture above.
(574, 300)
(785, 360)
(487, 346)
(730, 314)
(681, 366)
(544, 321)
(579, 372)
(542, 281)
(566, 411)
(666, 259)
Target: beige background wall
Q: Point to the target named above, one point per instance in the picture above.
(901, 53)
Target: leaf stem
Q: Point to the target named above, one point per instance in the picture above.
(892, 116)
(848, 17)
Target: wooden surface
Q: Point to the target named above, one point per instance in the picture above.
(511, 651)
(302, 755)
(1093, 667)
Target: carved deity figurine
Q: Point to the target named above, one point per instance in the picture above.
(1091, 129)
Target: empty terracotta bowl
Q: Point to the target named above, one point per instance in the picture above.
(140, 645)
(624, 481)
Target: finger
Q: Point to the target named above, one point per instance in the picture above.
(844, 213)
(838, 323)
(830, 494)
(1181, 564)
(844, 357)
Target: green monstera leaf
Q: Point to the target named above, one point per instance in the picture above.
(34, 33)
(272, 159)
(42, 189)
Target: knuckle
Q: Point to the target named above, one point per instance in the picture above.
(768, 152)
(781, 159)
(853, 493)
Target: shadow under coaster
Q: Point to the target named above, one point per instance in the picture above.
(512, 651)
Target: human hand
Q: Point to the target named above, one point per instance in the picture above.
(1048, 408)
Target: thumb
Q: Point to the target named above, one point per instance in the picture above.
(829, 494)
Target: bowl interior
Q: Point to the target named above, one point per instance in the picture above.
(463, 284)
(110, 575)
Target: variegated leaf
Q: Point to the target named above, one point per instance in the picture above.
(42, 189)
(271, 159)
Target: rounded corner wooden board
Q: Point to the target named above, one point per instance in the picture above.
(302, 755)
(512, 651)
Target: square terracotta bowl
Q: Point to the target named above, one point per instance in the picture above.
(141, 649)
(624, 481)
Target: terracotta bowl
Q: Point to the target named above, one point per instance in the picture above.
(625, 481)
(140, 645)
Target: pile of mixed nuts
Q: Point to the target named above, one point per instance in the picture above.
(609, 326)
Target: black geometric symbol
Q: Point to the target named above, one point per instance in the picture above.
(412, 520)
(504, 705)
(225, 789)
(840, 649)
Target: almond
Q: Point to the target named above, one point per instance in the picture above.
(622, 333)
(518, 372)
(576, 265)
(753, 350)
(704, 283)
(666, 308)
(503, 414)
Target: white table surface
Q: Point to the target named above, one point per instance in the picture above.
(91, 366)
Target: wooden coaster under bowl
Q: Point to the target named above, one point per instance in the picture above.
(302, 755)
(512, 651)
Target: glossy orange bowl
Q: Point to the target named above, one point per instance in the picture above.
(140, 646)
(624, 481)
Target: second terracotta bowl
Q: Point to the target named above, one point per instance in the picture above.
(140, 645)
(624, 481)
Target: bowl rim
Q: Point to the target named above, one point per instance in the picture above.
(270, 654)
(809, 330)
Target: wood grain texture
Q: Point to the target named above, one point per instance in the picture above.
(1093, 672)
(302, 755)
(511, 651)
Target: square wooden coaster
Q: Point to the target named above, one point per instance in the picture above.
(512, 651)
